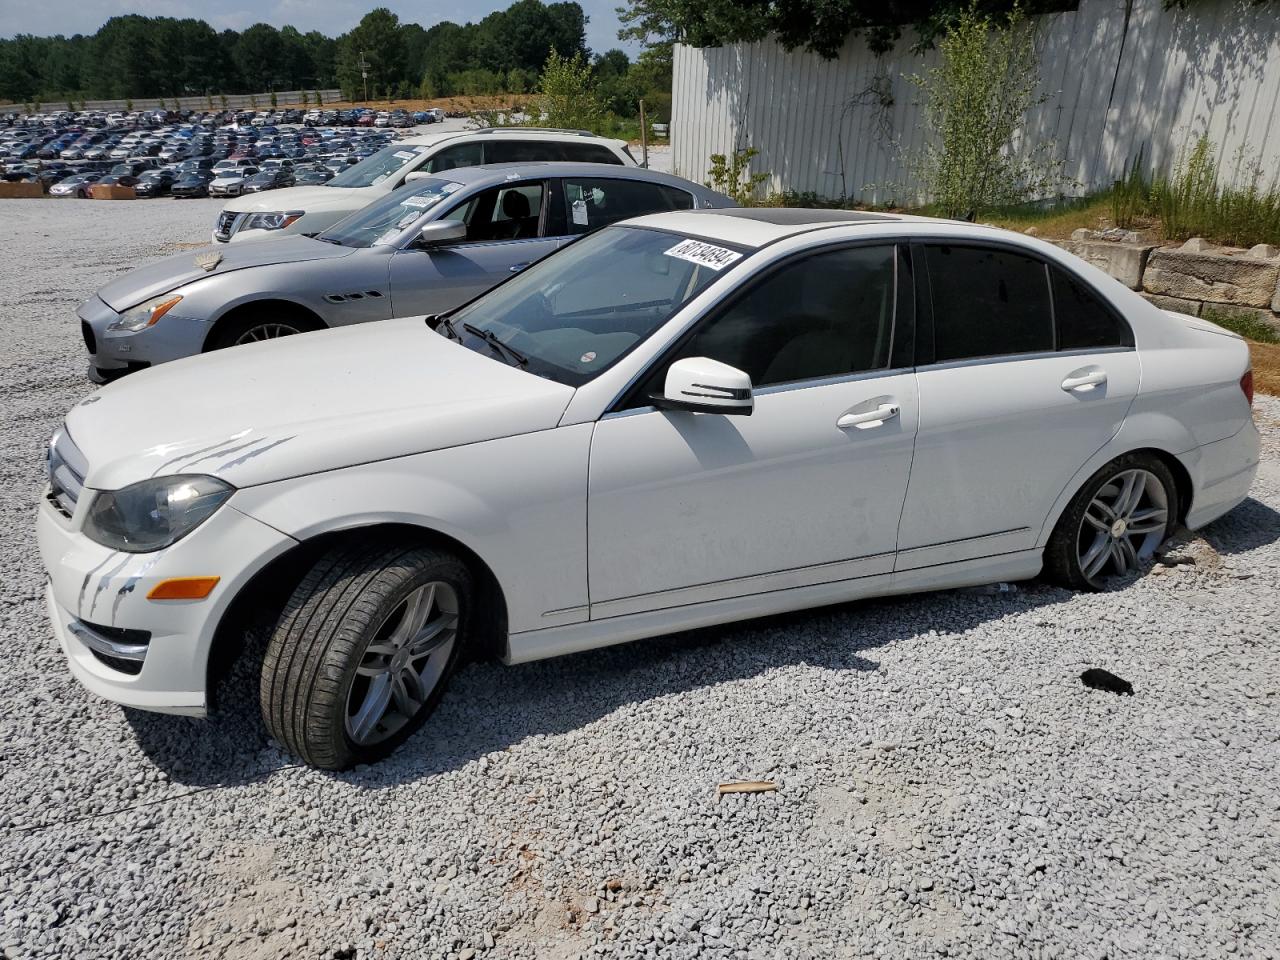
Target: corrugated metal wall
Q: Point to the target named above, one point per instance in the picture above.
(826, 125)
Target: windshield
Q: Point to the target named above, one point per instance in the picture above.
(380, 222)
(575, 314)
(376, 168)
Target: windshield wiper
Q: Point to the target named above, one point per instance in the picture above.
(499, 347)
(336, 243)
(445, 324)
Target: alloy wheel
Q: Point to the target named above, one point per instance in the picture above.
(403, 663)
(1123, 524)
(266, 331)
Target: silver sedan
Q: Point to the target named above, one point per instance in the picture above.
(426, 248)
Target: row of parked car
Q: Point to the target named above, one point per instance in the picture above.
(602, 405)
(198, 157)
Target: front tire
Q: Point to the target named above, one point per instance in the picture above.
(364, 650)
(257, 325)
(1114, 524)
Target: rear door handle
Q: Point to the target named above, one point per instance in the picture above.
(871, 418)
(1084, 381)
(520, 266)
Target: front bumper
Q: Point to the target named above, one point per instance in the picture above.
(152, 655)
(112, 356)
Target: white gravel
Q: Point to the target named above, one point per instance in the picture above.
(946, 786)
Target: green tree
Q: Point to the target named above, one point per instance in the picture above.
(975, 102)
(567, 94)
(257, 54)
(377, 39)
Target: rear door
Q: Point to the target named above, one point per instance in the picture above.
(1023, 375)
(506, 231)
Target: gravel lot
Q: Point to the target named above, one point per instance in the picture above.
(946, 784)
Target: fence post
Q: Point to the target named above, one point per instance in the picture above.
(644, 138)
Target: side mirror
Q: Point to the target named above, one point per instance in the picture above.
(417, 175)
(437, 232)
(703, 385)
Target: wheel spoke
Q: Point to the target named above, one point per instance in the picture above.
(372, 709)
(1096, 557)
(1100, 524)
(1151, 520)
(433, 636)
(417, 607)
(1126, 550)
(406, 691)
(1135, 485)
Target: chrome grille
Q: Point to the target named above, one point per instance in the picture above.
(67, 470)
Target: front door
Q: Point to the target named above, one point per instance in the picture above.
(504, 234)
(685, 507)
(1027, 374)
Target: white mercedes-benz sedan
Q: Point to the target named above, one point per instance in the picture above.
(682, 420)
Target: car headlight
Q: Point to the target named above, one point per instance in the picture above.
(272, 221)
(144, 314)
(152, 514)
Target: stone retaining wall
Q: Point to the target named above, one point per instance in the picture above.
(1195, 278)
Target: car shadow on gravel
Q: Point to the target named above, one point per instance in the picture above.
(490, 707)
(1248, 527)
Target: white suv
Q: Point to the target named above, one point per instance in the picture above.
(312, 209)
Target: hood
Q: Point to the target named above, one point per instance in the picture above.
(310, 199)
(320, 401)
(172, 272)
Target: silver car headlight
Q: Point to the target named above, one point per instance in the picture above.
(144, 314)
(272, 221)
(152, 514)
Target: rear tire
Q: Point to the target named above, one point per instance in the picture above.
(1114, 524)
(364, 650)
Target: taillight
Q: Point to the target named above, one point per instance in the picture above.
(1246, 384)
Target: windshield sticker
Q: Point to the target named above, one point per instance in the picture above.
(580, 213)
(420, 203)
(703, 254)
(450, 187)
(403, 155)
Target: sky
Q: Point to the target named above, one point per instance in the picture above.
(331, 17)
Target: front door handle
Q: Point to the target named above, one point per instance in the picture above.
(1084, 381)
(520, 266)
(871, 418)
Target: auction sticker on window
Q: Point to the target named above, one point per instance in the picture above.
(403, 155)
(704, 254)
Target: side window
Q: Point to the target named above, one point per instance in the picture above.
(520, 151)
(827, 315)
(502, 213)
(598, 202)
(1082, 319)
(589, 153)
(988, 303)
(461, 155)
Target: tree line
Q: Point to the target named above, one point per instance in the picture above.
(135, 56)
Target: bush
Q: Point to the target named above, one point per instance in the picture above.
(732, 176)
(1190, 202)
(976, 101)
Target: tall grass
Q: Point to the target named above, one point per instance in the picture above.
(1192, 203)
(1131, 195)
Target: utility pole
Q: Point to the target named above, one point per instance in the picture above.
(364, 75)
(644, 138)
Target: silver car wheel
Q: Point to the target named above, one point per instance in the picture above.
(266, 331)
(402, 664)
(1123, 524)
